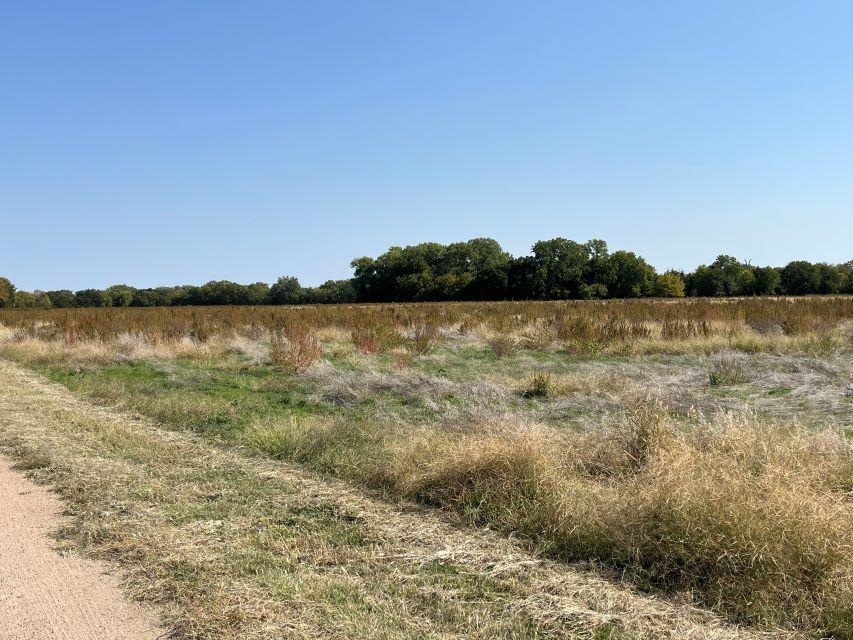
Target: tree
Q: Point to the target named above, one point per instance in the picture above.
(726, 276)
(61, 299)
(800, 278)
(7, 292)
(669, 285)
(632, 277)
(832, 279)
(559, 268)
(286, 290)
(35, 300)
(120, 295)
(767, 281)
(91, 298)
(146, 298)
(599, 270)
(365, 280)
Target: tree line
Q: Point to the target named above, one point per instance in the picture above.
(478, 269)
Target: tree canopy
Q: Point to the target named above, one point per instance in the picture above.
(478, 269)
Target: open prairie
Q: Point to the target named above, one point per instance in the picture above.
(611, 469)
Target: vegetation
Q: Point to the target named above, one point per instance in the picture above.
(479, 269)
(695, 447)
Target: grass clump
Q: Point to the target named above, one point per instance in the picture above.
(727, 369)
(752, 519)
(541, 385)
(503, 345)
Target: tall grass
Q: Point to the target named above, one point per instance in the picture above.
(754, 519)
(537, 322)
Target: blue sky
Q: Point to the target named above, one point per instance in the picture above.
(178, 142)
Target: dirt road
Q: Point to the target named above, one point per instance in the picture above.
(45, 595)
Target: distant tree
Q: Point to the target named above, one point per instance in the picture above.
(520, 282)
(61, 299)
(120, 295)
(146, 298)
(767, 281)
(670, 285)
(599, 270)
(7, 292)
(595, 291)
(35, 300)
(847, 270)
(726, 276)
(286, 290)
(474, 270)
(365, 280)
(330, 292)
(257, 293)
(91, 298)
(559, 268)
(800, 278)
(832, 279)
(632, 277)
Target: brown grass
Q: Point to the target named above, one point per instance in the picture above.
(238, 548)
(754, 519)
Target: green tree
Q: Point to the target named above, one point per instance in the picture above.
(286, 290)
(670, 285)
(91, 298)
(120, 295)
(767, 281)
(7, 292)
(632, 277)
(832, 279)
(61, 299)
(559, 268)
(146, 298)
(35, 300)
(800, 278)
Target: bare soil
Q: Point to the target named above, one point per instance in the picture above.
(49, 596)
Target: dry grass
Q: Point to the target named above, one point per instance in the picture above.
(522, 417)
(753, 519)
(235, 548)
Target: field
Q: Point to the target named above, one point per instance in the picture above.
(618, 469)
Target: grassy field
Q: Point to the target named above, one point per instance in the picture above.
(699, 449)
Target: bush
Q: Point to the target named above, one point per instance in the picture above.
(294, 349)
(422, 337)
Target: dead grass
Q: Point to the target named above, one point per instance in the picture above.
(523, 418)
(755, 520)
(235, 548)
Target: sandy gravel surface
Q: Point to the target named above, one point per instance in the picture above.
(45, 595)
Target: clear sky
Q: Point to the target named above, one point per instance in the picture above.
(163, 142)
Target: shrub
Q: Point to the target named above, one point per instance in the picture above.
(366, 340)
(422, 337)
(294, 349)
(539, 335)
